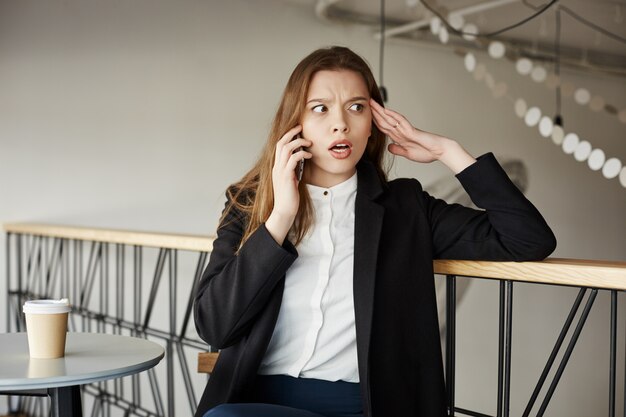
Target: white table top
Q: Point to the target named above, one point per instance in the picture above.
(89, 357)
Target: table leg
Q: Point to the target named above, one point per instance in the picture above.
(65, 401)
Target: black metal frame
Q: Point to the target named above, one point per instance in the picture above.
(46, 267)
(505, 350)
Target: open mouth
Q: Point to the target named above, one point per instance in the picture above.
(341, 150)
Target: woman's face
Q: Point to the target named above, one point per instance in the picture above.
(338, 121)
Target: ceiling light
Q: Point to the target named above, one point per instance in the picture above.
(524, 66)
(545, 126)
(583, 150)
(532, 116)
(435, 25)
(570, 142)
(496, 49)
(470, 62)
(469, 32)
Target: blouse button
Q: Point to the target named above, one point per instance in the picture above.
(325, 192)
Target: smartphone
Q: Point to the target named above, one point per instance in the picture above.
(300, 166)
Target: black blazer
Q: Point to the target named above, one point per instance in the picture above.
(399, 230)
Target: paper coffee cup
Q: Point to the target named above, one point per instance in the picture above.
(46, 326)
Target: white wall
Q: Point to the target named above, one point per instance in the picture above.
(137, 114)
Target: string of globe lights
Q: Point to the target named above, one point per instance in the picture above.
(533, 116)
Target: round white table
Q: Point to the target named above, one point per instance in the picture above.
(89, 357)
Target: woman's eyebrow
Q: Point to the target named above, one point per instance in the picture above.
(324, 100)
(320, 100)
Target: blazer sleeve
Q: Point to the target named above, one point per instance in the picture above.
(236, 286)
(509, 228)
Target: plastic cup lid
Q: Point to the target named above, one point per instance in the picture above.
(47, 306)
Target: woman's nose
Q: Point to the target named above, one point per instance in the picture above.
(339, 123)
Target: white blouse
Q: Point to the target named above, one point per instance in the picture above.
(315, 335)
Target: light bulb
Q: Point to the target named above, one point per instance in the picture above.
(496, 49)
(456, 21)
(611, 168)
(520, 108)
(470, 30)
(622, 177)
(538, 74)
(583, 150)
(596, 159)
(532, 116)
(443, 35)
(570, 143)
(435, 25)
(545, 126)
(557, 134)
(470, 62)
(524, 66)
(582, 96)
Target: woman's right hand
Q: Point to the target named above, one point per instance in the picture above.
(285, 183)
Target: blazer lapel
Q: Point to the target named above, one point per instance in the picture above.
(367, 228)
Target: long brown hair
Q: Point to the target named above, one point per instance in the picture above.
(253, 195)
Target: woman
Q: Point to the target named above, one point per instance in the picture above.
(320, 292)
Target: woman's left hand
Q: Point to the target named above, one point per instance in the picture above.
(418, 145)
(408, 141)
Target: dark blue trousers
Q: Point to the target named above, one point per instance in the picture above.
(285, 396)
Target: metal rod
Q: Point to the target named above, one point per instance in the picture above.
(78, 273)
(137, 273)
(158, 272)
(137, 278)
(501, 321)
(613, 349)
(119, 300)
(198, 274)
(119, 285)
(156, 392)
(173, 261)
(51, 270)
(568, 352)
(65, 401)
(31, 271)
(119, 304)
(555, 351)
(65, 282)
(90, 274)
(508, 349)
(470, 412)
(104, 285)
(7, 249)
(19, 264)
(41, 262)
(184, 367)
(450, 339)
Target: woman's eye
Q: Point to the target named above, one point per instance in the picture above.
(357, 107)
(320, 108)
